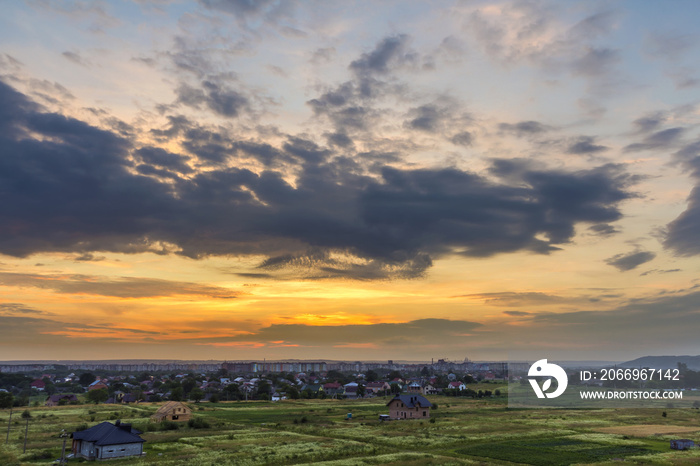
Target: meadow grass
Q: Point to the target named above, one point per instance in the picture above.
(464, 431)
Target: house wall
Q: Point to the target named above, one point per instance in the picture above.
(118, 451)
(87, 449)
(397, 411)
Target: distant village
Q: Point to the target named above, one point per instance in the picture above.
(56, 384)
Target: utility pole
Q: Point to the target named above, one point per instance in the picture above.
(26, 431)
(63, 451)
(7, 439)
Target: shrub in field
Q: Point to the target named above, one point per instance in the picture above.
(198, 423)
(167, 425)
(80, 427)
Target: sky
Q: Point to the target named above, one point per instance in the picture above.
(239, 180)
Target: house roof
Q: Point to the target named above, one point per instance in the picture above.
(106, 433)
(38, 383)
(375, 384)
(170, 405)
(57, 398)
(411, 401)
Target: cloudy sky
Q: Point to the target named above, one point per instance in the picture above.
(222, 179)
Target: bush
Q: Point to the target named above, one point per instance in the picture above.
(80, 427)
(169, 425)
(198, 423)
(432, 420)
(39, 455)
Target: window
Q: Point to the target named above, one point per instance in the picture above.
(423, 413)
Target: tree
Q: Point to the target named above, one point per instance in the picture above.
(98, 396)
(425, 372)
(26, 414)
(214, 398)
(395, 375)
(188, 385)
(371, 376)
(87, 378)
(361, 391)
(395, 388)
(264, 388)
(232, 392)
(196, 394)
(292, 392)
(176, 394)
(6, 400)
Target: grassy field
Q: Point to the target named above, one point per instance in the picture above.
(464, 431)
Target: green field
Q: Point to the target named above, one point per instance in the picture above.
(465, 431)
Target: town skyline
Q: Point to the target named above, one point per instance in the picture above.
(503, 180)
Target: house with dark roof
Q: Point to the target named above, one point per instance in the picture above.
(409, 407)
(333, 389)
(107, 441)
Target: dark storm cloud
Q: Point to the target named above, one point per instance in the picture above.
(352, 107)
(88, 257)
(390, 52)
(603, 229)
(245, 9)
(524, 128)
(217, 97)
(124, 287)
(73, 189)
(75, 58)
(433, 117)
(585, 145)
(629, 261)
(509, 298)
(659, 140)
(596, 62)
(649, 123)
(14, 309)
(164, 159)
(464, 138)
(671, 319)
(682, 233)
(423, 331)
(516, 313)
(339, 139)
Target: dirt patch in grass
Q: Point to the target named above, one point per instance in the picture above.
(647, 430)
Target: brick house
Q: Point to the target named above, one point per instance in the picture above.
(376, 387)
(97, 385)
(409, 407)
